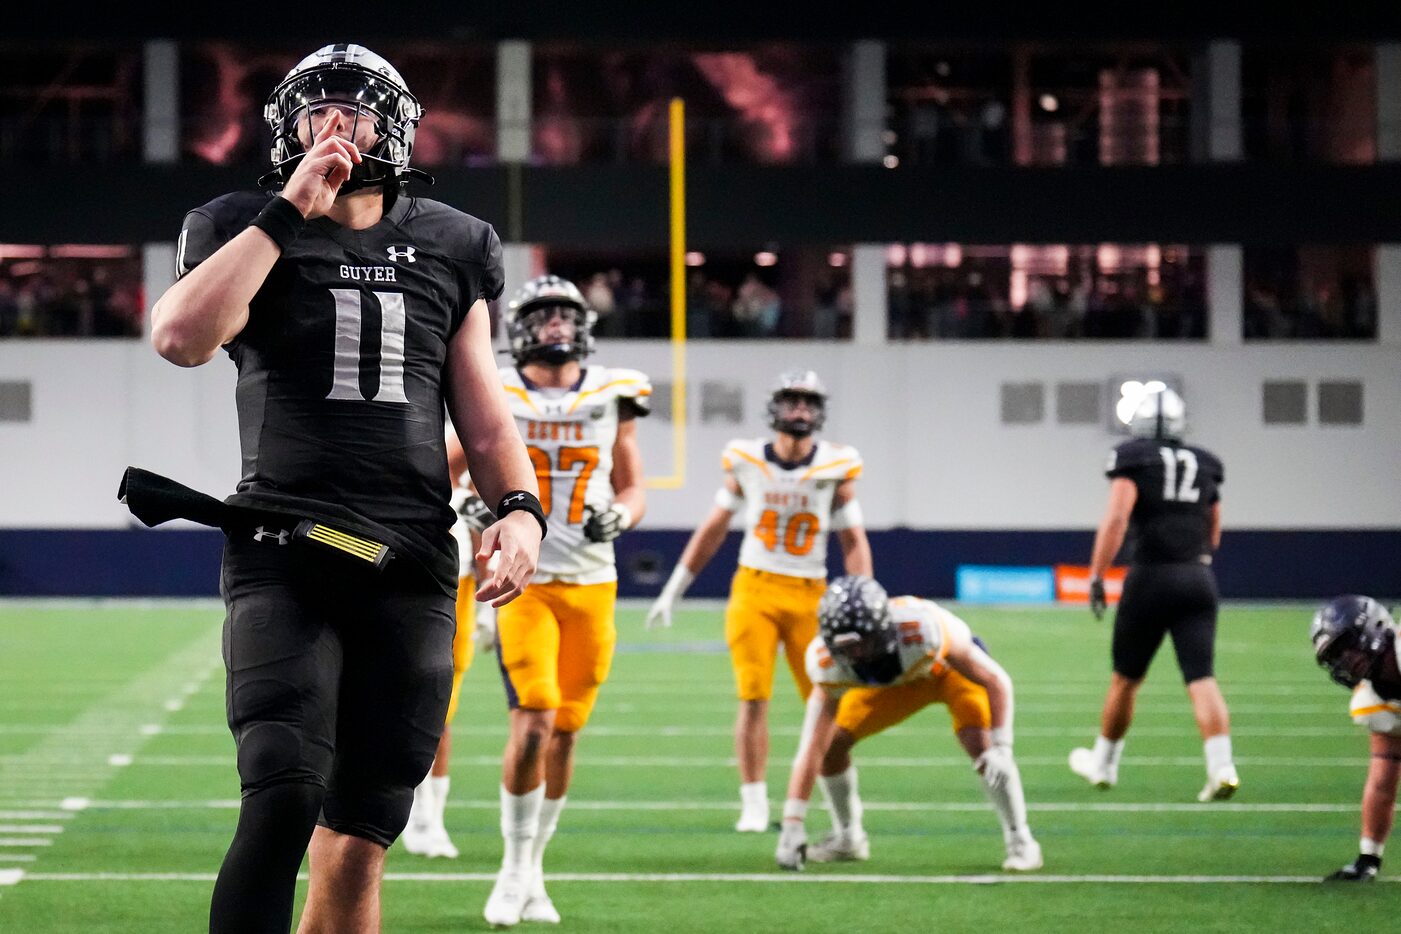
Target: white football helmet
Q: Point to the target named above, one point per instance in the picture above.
(793, 385)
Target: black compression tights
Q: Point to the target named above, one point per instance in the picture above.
(258, 880)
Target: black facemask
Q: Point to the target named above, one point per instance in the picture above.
(883, 669)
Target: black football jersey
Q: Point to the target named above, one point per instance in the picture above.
(340, 366)
(1177, 486)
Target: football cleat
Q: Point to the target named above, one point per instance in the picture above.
(507, 901)
(1220, 786)
(415, 838)
(841, 847)
(1084, 764)
(439, 844)
(753, 820)
(538, 906)
(1023, 855)
(1362, 869)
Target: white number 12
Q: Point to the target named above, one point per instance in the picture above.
(1187, 491)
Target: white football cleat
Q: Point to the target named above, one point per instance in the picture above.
(1084, 764)
(1220, 786)
(753, 820)
(439, 844)
(416, 839)
(503, 909)
(1023, 856)
(839, 847)
(538, 906)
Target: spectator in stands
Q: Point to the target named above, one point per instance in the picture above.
(756, 307)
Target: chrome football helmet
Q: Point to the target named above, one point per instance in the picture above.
(793, 386)
(532, 308)
(1160, 414)
(362, 83)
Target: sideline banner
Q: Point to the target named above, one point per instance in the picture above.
(981, 583)
(1073, 583)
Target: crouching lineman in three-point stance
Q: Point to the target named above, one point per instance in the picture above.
(793, 489)
(555, 642)
(1168, 494)
(877, 661)
(1355, 639)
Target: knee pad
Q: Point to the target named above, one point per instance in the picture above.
(574, 713)
(533, 689)
(272, 753)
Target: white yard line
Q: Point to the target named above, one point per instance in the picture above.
(774, 878)
(911, 762)
(230, 804)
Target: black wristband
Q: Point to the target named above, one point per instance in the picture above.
(522, 501)
(280, 220)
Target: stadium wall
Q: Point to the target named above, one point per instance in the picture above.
(1253, 563)
(945, 478)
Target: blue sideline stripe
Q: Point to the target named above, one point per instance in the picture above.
(1252, 565)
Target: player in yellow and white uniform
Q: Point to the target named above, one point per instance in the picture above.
(793, 490)
(876, 661)
(1355, 638)
(555, 641)
(426, 832)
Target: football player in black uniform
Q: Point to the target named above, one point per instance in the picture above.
(353, 313)
(1355, 639)
(1167, 494)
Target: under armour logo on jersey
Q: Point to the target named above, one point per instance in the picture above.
(280, 536)
(397, 253)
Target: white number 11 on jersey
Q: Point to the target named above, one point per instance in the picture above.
(345, 383)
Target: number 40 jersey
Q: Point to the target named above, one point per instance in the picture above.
(569, 435)
(788, 507)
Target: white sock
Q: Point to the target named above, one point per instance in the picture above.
(1010, 804)
(421, 813)
(844, 800)
(1108, 751)
(549, 820)
(520, 819)
(754, 795)
(1370, 847)
(1218, 753)
(439, 786)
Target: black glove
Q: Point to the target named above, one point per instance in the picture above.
(1098, 602)
(475, 513)
(1363, 869)
(604, 525)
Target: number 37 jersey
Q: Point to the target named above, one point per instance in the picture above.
(569, 435)
(788, 507)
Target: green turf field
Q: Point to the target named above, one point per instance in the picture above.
(118, 792)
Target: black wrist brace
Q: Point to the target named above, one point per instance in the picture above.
(281, 221)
